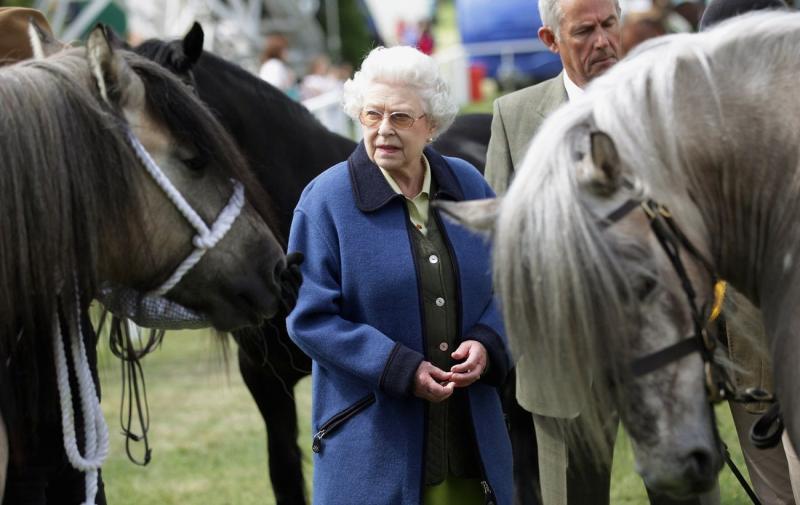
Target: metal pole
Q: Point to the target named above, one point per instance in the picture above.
(334, 36)
(86, 17)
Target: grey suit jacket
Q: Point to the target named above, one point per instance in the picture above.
(517, 116)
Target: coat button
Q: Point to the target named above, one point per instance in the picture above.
(440, 302)
(443, 346)
(433, 259)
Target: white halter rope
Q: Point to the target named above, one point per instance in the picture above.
(95, 428)
(206, 237)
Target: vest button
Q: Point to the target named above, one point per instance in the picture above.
(433, 259)
(440, 302)
(443, 346)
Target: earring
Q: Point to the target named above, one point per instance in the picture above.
(430, 140)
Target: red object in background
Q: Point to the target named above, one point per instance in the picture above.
(477, 73)
(425, 42)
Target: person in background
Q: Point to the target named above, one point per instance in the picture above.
(719, 10)
(274, 68)
(396, 308)
(425, 42)
(638, 27)
(321, 78)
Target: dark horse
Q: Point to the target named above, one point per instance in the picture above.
(78, 210)
(287, 147)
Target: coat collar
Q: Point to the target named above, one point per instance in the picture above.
(371, 191)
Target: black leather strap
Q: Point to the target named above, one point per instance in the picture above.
(665, 356)
(766, 432)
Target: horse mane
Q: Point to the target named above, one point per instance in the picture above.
(282, 137)
(64, 155)
(672, 110)
(169, 53)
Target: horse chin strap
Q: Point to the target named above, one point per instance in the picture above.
(206, 237)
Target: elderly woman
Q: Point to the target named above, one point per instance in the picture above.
(396, 308)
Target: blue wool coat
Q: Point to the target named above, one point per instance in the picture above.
(359, 317)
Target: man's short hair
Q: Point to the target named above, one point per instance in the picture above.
(551, 14)
(719, 10)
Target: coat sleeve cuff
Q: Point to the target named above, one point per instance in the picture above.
(397, 378)
(498, 365)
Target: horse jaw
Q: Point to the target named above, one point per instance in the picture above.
(477, 215)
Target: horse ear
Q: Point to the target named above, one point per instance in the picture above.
(43, 44)
(193, 45)
(476, 215)
(600, 169)
(114, 40)
(118, 83)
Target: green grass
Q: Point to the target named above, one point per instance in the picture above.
(209, 444)
(208, 440)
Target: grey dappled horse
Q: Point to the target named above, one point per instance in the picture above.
(707, 125)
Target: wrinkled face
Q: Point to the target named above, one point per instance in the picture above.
(589, 38)
(665, 412)
(391, 147)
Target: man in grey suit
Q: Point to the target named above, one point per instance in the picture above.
(586, 35)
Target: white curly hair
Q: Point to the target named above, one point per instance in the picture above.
(407, 67)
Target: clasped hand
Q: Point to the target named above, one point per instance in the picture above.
(435, 385)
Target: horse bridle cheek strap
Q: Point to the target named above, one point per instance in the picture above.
(206, 237)
(718, 385)
(670, 238)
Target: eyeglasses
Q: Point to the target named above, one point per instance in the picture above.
(403, 120)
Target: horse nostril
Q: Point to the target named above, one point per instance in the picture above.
(699, 465)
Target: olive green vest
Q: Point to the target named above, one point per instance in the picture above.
(450, 442)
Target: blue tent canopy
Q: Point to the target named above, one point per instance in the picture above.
(501, 21)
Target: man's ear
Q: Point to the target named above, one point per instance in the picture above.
(548, 38)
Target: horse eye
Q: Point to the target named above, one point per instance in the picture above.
(196, 163)
(644, 286)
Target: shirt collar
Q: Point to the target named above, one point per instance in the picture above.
(372, 191)
(573, 90)
(426, 181)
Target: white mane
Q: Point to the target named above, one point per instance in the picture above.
(695, 123)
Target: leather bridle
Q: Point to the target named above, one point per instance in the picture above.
(766, 432)
(719, 386)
